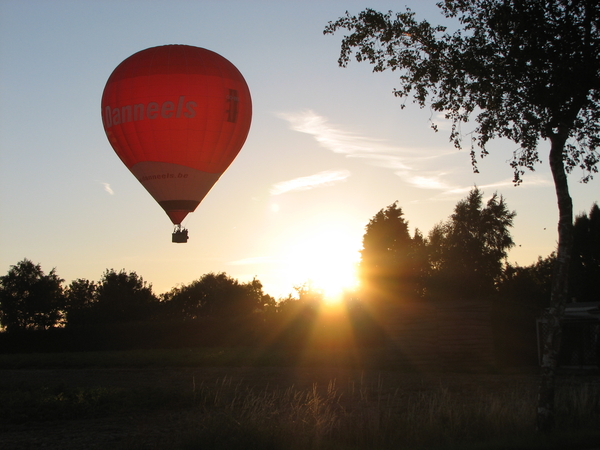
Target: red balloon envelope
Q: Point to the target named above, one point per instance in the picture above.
(177, 116)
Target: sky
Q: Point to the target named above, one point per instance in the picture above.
(328, 148)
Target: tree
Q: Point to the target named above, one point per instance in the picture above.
(308, 295)
(122, 297)
(468, 251)
(529, 286)
(30, 299)
(584, 280)
(307, 301)
(391, 262)
(523, 293)
(217, 296)
(264, 302)
(80, 296)
(526, 70)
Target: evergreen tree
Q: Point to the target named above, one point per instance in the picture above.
(392, 263)
(467, 252)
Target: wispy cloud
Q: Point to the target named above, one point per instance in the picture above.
(429, 182)
(432, 168)
(332, 137)
(458, 192)
(108, 189)
(325, 178)
(407, 163)
(532, 180)
(253, 260)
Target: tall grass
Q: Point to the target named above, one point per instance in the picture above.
(362, 416)
(341, 414)
(228, 414)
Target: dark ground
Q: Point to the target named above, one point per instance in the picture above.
(153, 429)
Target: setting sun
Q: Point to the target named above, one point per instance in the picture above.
(327, 258)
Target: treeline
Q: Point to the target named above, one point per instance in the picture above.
(121, 311)
(462, 258)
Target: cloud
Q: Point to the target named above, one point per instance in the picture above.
(394, 162)
(407, 163)
(431, 168)
(108, 189)
(325, 178)
(253, 260)
(454, 193)
(533, 180)
(331, 137)
(432, 182)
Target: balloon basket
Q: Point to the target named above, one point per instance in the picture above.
(180, 235)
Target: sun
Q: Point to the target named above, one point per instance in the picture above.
(327, 258)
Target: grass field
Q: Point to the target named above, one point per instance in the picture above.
(235, 399)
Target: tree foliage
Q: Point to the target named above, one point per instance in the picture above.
(523, 293)
(392, 262)
(80, 296)
(30, 299)
(584, 280)
(122, 297)
(524, 70)
(306, 302)
(462, 257)
(468, 251)
(528, 286)
(217, 296)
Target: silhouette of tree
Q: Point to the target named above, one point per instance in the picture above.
(526, 71)
(530, 285)
(217, 296)
(264, 302)
(122, 297)
(524, 292)
(30, 299)
(468, 251)
(392, 263)
(80, 295)
(297, 314)
(309, 295)
(584, 282)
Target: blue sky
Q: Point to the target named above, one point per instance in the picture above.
(327, 149)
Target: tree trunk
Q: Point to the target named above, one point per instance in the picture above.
(558, 298)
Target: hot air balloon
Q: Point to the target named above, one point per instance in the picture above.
(177, 116)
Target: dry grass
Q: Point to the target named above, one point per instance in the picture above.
(101, 402)
(369, 416)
